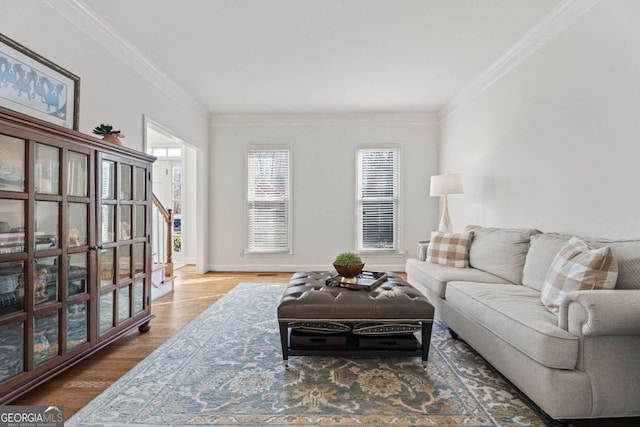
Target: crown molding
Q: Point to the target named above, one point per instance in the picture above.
(375, 119)
(551, 25)
(92, 24)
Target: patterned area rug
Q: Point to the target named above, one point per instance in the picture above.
(225, 368)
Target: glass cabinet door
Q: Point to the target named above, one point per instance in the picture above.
(77, 288)
(13, 348)
(47, 169)
(12, 164)
(12, 230)
(77, 173)
(124, 244)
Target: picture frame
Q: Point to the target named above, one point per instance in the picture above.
(33, 85)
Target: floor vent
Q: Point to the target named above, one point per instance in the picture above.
(267, 274)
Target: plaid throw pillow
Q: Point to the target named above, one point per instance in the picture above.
(578, 267)
(449, 249)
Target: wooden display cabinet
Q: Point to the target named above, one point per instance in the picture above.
(75, 260)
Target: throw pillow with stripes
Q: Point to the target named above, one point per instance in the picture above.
(449, 249)
(578, 267)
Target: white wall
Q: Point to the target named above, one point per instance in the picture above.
(323, 185)
(555, 143)
(110, 90)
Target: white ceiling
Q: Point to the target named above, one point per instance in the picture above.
(322, 56)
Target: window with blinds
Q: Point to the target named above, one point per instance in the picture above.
(268, 201)
(377, 192)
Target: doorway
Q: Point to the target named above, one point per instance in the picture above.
(171, 184)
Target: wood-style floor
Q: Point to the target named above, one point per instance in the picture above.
(192, 294)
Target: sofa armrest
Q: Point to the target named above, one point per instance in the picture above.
(422, 249)
(601, 312)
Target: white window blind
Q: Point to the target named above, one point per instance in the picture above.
(377, 192)
(268, 200)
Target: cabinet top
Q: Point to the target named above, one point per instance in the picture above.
(21, 121)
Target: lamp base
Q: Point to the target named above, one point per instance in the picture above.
(445, 221)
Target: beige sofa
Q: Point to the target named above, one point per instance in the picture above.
(582, 363)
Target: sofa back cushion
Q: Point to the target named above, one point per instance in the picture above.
(544, 248)
(542, 251)
(578, 267)
(449, 249)
(627, 253)
(500, 251)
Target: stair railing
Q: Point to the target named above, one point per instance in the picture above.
(162, 239)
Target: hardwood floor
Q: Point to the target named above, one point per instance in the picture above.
(192, 294)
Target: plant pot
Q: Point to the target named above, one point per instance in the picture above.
(349, 271)
(112, 138)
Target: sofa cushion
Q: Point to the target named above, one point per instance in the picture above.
(449, 249)
(500, 251)
(578, 267)
(627, 253)
(542, 250)
(515, 314)
(435, 276)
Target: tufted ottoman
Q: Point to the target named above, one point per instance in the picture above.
(345, 322)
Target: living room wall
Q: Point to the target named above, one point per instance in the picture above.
(555, 143)
(323, 149)
(111, 91)
(113, 88)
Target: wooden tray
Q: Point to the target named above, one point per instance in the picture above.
(366, 281)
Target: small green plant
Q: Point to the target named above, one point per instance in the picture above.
(107, 130)
(348, 258)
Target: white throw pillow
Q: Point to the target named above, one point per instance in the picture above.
(449, 249)
(578, 267)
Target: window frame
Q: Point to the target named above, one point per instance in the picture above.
(397, 199)
(249, 251)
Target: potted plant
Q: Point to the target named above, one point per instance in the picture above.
(108, 133)
(348, 265)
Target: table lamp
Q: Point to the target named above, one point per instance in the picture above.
(443, 185)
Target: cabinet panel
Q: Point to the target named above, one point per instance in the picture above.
(45, 337)
(77, 224)
(77, 324)
(106, 312)
(11, 287)
(13, 348)
(124, 302)
(46, 281)
(78, 174)
(12, 235)
(107, 267)
(47, 225)
(12, 163)
(77, 277)
(47, 169)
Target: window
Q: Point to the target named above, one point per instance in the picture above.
(268, 201)
(377, 192)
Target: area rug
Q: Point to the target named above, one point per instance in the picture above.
(225, 368)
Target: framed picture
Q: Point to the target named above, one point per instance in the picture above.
(33, 85)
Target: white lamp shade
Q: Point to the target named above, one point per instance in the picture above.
(441, 185)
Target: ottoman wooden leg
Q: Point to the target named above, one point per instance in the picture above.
(284, 339)
(426, 341)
